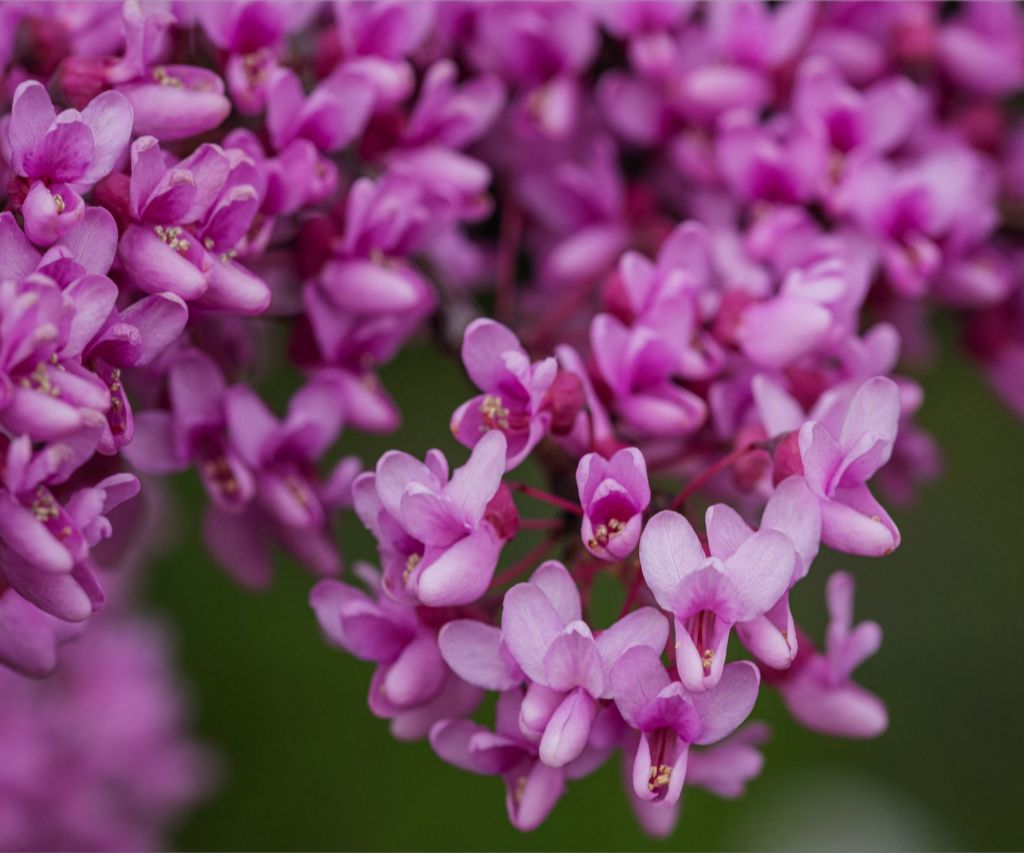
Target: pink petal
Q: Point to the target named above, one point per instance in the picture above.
(726, 530)
(473, 650)
(572, 660)
(557, 584)
(463, 573)
(669, 551)
(643, 627)
(529, 625)
(761, 570)
(476, 482)
(724, 708)
(109, 117)
(567, 732)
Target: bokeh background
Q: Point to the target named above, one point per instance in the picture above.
(306, 767)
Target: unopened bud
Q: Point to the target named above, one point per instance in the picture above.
(502, 514)
(565, 399)
(787, 457)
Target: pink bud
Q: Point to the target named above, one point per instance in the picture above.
(565, 400)
(787, 457)
(501, 512)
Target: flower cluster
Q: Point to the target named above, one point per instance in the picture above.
(711, 235)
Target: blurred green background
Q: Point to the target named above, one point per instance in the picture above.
(307, 767)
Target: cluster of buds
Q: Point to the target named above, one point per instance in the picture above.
(712, 234)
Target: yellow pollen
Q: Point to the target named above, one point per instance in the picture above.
(221, 475)
(58, 202)
(494, 412)
(658, 777)
(164, 79)
(604, 532)
(519, 790)
(44, 508)
(410, 566)
(706, 659)
(39, 380)
(171, 235)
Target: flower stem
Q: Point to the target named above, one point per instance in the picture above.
(541, 523)
(546, 497)
(530, 561)
(704, 476)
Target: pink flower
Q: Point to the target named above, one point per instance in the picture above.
(567, 665)
(817, 689)
(438, 545)
(62, 155)
(670, 719)
(709, 594)
(412, 687)
(838, 460)
(614, 493)
(514, 401)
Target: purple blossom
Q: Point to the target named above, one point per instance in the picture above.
(568, 667)
(438, 544)
(62, 155)
(514, 401)
(614, 494)
(709, 594)
(98, 756)
(817, 689)
(670, 719)
(190, 222)
(412, 687)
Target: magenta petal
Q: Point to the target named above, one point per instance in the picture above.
(726, 530)
(760, 571)
(483, 347)
(529, 625)
(636, 680)
(557, 584)
(855, 523)
(669, 550)
(451, 739)
(476, 482)
(776, 333)
(20, 532)
(28, 636)
(32, 113)
(239, 546)
(416, 674)
(473, 651)
(155, 267)
(529, 802)
(724, 708)
(19, 258)
(793, 510)
(463, 573)
(567, 732)
(93, 241)
(572, 660)
(844, 711)
(109, 117)
(232, 287)
(643, 627)
(160, 319)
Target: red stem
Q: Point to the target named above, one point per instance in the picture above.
(704, 476)
(530, 561)
(540, 523)
(547, 497)
(634, 591)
